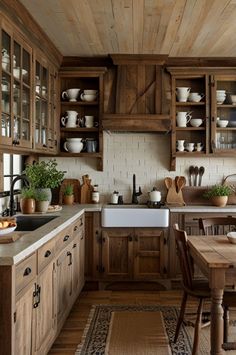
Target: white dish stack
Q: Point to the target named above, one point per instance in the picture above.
(220, 96)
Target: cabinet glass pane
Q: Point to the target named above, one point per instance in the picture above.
(16, 99)
(26, 67)
(6, 125)
(6, 52)
(6, 93)
(17, 61)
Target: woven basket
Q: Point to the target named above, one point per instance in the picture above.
(230, 181)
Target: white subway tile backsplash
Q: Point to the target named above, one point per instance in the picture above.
(147, 156)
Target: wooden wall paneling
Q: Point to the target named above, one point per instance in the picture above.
(165, 92)
(120, 89)
(131, 88)
(110, 79)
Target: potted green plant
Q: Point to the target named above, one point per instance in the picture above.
(44, 175)
(42, 201)
(68, 194)
(218, 194)
(27, 200)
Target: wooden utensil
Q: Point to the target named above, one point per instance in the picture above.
(181, 182)
(191, 172)
(201, 172)
(86, 190)
(196, 172)
(168, 182)
(177, 183)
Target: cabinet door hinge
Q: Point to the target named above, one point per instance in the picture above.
(14, 317)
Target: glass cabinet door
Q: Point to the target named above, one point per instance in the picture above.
(41, 106)
(6, 122)
(16, 91)
(224, 114)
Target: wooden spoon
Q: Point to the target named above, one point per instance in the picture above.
(168, 182)
(201, 172)
(181, 182)
(196, 172)
(191, 172)
(177, 183)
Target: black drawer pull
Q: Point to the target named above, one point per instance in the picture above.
(66, 238)
(75, 228)
(47, 254)
(27, 271)
(74, 246)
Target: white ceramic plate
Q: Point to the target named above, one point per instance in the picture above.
(8, 230)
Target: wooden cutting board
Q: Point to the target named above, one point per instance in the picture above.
(11, 237)
(86, 190)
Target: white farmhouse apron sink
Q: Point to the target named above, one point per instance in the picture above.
(134, 216)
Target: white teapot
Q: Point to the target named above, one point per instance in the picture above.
(154, 195)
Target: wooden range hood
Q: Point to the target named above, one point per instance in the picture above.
(134, 95)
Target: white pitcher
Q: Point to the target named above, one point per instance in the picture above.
(180, 145)
(70, 119)
(182, 93)
(183, 118)
(73, 145)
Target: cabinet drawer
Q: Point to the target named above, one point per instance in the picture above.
(64, 238)
(45, 254)
(78, 226)
(25, 272)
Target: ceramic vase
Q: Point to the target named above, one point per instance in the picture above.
(42, 206)
(219, 201)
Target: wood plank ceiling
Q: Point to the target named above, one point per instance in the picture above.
(179, 28)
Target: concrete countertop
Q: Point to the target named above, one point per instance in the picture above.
(13, 253)
(202, 209)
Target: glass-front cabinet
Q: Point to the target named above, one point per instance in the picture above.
(45, 131)
(16, 110)
(223, 125)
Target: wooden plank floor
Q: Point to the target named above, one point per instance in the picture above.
(67, 341)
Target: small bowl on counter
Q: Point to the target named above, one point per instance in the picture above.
(232, 237)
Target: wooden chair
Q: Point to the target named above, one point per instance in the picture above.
(198, 289)
(191, 287)
(216, 225)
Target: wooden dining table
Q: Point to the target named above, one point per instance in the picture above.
(216, 258)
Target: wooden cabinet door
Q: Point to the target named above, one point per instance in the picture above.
(149, 261)
(24, 321)
(82, 261)
(76, 266)
(117, 253)
(46, 310)
(64, 283)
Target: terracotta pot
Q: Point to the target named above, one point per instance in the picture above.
(219, 201)
(27, 205)
(68, 200)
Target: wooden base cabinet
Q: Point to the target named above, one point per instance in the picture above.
(133, 253)
(37, 294)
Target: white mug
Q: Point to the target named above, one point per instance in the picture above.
(190, 147)
(70, 120)
(71, 94)
(183, 118)
(182, 93)
(180, 145)
(199, 147)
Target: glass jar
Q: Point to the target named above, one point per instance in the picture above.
(95, 194)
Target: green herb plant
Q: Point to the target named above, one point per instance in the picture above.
(27, 192)
(41, 195)
(218, 190)
(44, 174)
(68, 190)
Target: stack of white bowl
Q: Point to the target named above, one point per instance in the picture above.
(220, 96)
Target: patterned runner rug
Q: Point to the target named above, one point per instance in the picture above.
(95, 336)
